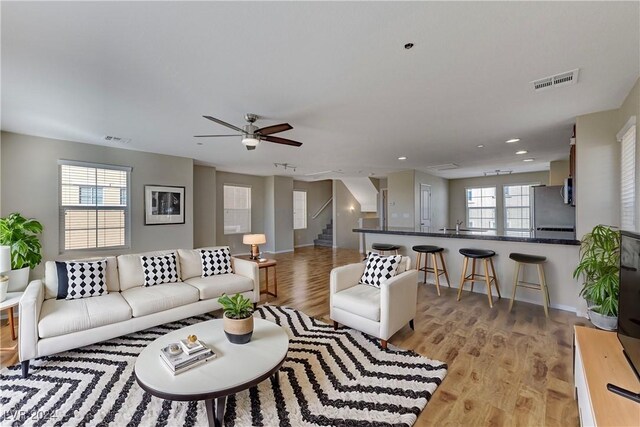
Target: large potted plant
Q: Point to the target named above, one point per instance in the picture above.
(237, 318)
(599, 268)
(21, 235)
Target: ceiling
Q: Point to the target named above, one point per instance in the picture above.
(337, 72)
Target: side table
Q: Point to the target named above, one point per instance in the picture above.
(13, 299)
(266, 264)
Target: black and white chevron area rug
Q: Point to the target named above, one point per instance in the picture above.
(329, 378)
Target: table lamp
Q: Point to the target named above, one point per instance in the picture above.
(5, 266)
(254, 240)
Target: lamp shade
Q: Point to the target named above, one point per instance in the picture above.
(254, 239)
(5, 259)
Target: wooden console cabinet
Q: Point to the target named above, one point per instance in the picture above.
(598, 360)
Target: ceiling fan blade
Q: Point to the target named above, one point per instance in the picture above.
(220, 122)
(279, 140)
(214, 136)
(274, 129)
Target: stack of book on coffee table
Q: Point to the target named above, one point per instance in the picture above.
(184, 355)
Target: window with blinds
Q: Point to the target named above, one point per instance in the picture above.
(237, 209)
(628, 180)
(299, 209)
(94, 207)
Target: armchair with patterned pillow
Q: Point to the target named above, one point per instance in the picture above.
(377, 297)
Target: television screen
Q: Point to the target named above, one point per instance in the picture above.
(629, 300)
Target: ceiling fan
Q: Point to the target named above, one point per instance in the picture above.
(252, 134)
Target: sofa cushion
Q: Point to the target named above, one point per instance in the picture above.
(130, 268)
(215, 286)
(78, 280)
(61, 317)
(148, 300)
(51, 275)
(159, 269)
(215, 262)
(191, 261)
(379, 269)
(363, 300)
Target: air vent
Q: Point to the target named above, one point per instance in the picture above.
(117, 139)
(562, 79)
(444, 167)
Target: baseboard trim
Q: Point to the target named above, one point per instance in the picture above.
(303, 246)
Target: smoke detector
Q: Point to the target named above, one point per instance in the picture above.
(563, 79)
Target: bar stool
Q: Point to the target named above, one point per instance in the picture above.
(487, 259)
(522, 260)
(430, 252)
(385, 247)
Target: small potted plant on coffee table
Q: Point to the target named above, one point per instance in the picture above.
(238, 318)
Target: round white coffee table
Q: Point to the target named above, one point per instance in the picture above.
(236, 368)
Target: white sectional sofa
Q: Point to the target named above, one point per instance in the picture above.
(49, 325)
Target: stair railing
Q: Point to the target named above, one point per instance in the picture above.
(322, 208)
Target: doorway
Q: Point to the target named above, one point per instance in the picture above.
(425, 207)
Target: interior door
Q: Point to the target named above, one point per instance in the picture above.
(425, 207)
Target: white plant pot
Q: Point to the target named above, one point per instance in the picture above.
(608, 323)
(4, 286)
(18, 279)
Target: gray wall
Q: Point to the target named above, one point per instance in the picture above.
(279, 212)
(346, 212)
(457, 201)
(558, 171)
(401, 199)
(439, 199)
(257, 184)
(318, 192)
(30, 186)
(204, 206)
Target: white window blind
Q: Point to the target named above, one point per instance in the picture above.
(237, 209)
(94, 208)
(481, 208)
(628, 180)
(516, 207)
(299, 209)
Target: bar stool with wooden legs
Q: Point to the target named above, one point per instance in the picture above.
(486, 257)
(385, 247)
(522, 260)
(430, 252)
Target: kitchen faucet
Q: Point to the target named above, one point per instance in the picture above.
(458, 224)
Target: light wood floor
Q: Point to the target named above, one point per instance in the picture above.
(504, 368)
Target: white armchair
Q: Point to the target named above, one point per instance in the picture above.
(377, 312)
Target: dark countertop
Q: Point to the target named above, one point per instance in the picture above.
(524, 237)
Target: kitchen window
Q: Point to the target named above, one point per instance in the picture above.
(627, 138)
(237, 209)
(94, 206)
(299, 209)
(481, 208)
(517, 207)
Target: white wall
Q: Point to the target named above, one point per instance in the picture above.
(30, 186)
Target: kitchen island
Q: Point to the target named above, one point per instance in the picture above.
(562, 257)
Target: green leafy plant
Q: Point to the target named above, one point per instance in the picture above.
(22, 235)
(599, 266)
(236, 307)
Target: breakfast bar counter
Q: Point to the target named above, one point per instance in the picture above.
(562, 257)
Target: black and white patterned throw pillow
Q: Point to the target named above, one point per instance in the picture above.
(379, 269)
(81, 279)
(159, 269)
(215, 262)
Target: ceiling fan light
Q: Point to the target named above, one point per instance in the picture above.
(250, 141)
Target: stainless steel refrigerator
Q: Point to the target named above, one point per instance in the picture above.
(550, 216)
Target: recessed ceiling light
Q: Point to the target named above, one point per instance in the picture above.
(480, 146)
(408, 46)
(522, 152)
(402, 158)
(512, 140)
(528, 160)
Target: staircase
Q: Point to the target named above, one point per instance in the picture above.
(326, 238)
